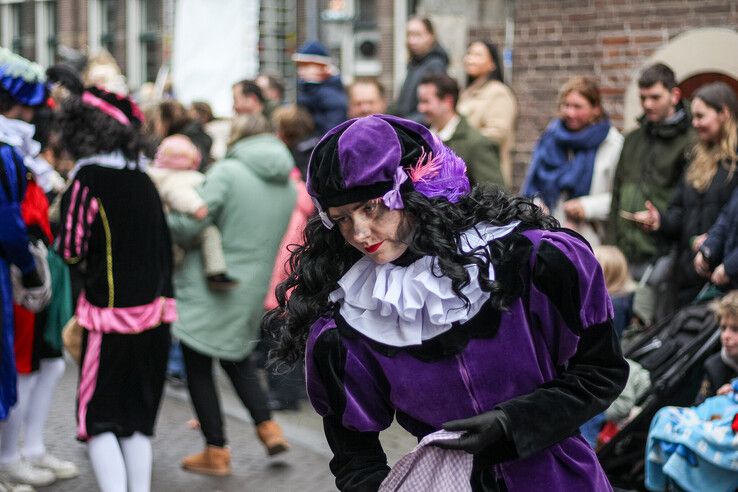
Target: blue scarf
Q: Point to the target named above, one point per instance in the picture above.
(552, 170)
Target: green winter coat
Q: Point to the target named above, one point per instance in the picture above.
(482, 156)
(651, 163)
(250, 199)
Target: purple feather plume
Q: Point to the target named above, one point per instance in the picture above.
(442, 174)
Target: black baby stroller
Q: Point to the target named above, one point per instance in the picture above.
(673, 351)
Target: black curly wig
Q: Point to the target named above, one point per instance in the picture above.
(85, 131)
(436, 228)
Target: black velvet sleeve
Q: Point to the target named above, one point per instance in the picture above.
(359, 462)
(594, 377)
(673, 217)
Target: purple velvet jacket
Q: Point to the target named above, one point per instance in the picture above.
(550, 362)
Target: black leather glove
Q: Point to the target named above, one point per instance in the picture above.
(482, 431)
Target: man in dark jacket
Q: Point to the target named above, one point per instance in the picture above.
(437, 97)
(426, 57)
(319, 87)
(651, 163)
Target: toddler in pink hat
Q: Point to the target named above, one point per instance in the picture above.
(176, 177)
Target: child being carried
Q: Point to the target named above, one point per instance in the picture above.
(175, 175)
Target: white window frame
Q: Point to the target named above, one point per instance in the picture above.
(96, 9)
(6, 25)
(44, 30)
(134, 56)
(94, 29)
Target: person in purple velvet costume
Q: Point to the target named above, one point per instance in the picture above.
(414, 297)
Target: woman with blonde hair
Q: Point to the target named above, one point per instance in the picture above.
(707, 185)
(615, 267)
(574, 161)
(619, 283)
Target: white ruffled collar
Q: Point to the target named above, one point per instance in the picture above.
(405, 305)
(19, 135)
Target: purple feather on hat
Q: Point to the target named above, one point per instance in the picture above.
(443, 174)
(368, 158)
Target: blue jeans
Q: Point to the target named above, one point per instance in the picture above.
(175, 366)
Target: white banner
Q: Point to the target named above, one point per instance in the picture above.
(215, 46)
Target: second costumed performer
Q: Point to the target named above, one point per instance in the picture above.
(417, 298)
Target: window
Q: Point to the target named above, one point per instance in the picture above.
(46, 32)
(13, 39)
(150, 39)
(366, 14)
(277, 41)
(108, 13)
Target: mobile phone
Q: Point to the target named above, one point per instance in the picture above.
(631, 216)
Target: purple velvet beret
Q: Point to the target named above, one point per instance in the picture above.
(381, 156)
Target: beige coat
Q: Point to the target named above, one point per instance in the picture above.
(491, 108)
(177, 188)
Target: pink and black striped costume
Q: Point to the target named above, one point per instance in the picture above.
(114, 232)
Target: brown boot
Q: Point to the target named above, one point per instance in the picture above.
(270, 433)
(213, 461)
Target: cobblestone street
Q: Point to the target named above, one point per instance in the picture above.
(304, 468)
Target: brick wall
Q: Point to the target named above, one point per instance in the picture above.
(72, 24)
(607, 38)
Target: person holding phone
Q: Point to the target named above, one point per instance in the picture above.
(707, 185)
(650, 166)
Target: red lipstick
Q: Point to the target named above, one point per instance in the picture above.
(373, 248)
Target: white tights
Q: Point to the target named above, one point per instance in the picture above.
(35, 394)
(121, 465)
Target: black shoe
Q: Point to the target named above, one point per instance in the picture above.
(221, 282)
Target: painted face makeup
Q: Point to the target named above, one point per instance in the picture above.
(372, 228)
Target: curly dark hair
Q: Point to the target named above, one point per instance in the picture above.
(435, 229)
(86, 131)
